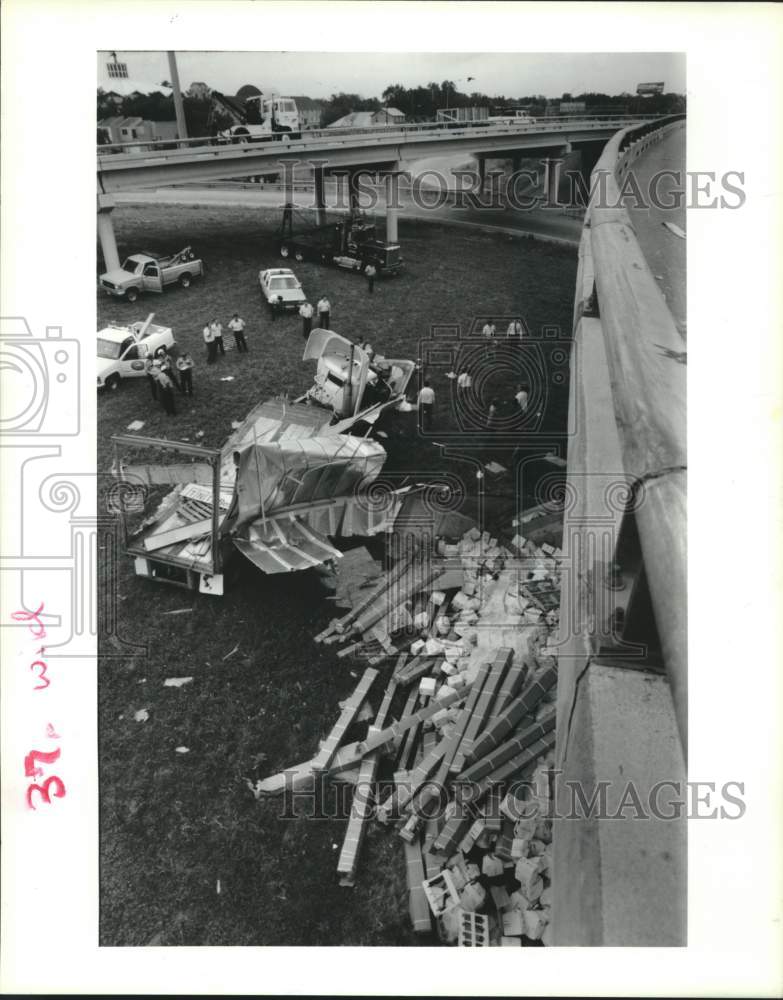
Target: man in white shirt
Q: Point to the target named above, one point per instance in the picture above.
(237, 326)
(217, 333)
(209, 340)
(426, 406)
(522, 397)
(324, 313)
(464, 385)
(306, 312)
(514, 329)
(488, 333)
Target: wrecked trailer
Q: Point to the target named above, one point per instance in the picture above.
(290, 477)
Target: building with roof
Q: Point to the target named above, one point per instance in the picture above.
(120, 128)
(365, 119)
(310, 110)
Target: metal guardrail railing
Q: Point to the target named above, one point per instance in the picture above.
(649, 394)
(427, 130)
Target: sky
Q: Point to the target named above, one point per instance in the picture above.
(316, 74)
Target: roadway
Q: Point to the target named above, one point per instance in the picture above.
(664, 249)
(121, 168)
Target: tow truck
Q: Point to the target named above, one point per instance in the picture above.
(350, 242)
(149, 272)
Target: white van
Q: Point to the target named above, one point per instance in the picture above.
(123, 350)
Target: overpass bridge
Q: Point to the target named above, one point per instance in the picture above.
(382, 150)
(622, 707)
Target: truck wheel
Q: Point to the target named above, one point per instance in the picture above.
(299, 256)
(285, 251)
(113, 382)
(185, 280)
(132, 294)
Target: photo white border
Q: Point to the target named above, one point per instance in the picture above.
(50, 888)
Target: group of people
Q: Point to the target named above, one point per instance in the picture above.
(164, 373)
(306, 312)
(213, 337)
(426, 401)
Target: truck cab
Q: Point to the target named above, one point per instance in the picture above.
(122, 351)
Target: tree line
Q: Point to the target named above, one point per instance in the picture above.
(419, 103)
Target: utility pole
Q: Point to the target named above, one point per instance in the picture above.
(178, 106)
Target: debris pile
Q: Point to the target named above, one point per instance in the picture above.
(465, 728)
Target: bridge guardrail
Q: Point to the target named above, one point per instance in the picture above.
(382, 132)
(642, 345)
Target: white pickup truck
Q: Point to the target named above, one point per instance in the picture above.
(123, 350)
(145, 272)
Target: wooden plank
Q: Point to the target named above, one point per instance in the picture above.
(418, 906)
(326, 754)
(175, 535)
(500, 665)
(524, 761)
(507, 721)
(397, 728)
(170, 475)
(509, 749)
(361, 807)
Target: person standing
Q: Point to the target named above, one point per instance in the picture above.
(324, 313)
(522, 397)
(366, 346)
(149, 367)
(370, 273)
(237, 326)
(185, 366)
(488, 333)
(464, 384)
(217, 333)
(514, 329)
(209, 340)
(492, 415)
(306, 312)
(166, 390)
(426, 406)
(166, 365)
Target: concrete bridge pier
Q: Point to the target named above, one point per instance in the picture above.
(111, 258)
(552, 175)
(589, 154)
(482, 171)
(392, 203)
(320, 201)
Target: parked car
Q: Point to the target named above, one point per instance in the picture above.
(281, 287)
(146, 272)
(123, 350)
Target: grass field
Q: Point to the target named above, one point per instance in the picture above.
(174, 825)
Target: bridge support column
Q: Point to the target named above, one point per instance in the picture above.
(353, 191)
(552, 165)
(320, 203)
(392, 204)
(111, 258)
(482, 171)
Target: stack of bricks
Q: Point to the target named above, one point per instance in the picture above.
(467, 726)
